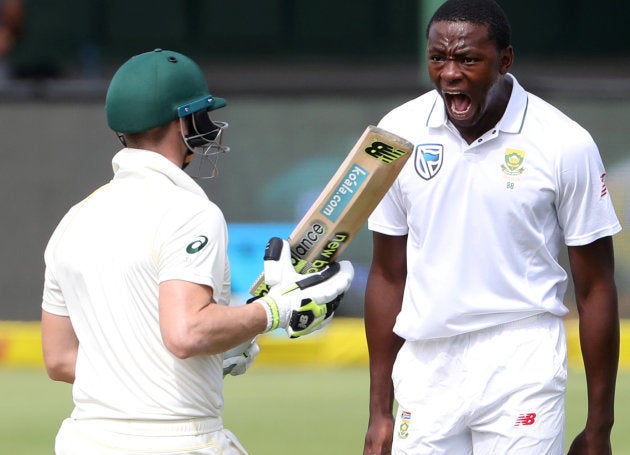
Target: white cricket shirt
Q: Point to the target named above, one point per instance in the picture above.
(486, 221)
(104, 263)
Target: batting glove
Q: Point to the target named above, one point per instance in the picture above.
(237, 360)
(301, 303)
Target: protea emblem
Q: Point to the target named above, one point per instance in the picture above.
(513, 162)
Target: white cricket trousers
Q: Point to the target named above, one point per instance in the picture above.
(496, 391)
(133, 437)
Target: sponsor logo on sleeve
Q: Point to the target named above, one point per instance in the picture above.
(197, 245)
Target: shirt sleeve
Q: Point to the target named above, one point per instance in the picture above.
(52, 300)
(390, 217)
(584, 205)
(196, 251)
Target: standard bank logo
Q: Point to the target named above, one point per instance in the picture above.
(428, 160)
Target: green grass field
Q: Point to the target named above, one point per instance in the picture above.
(273, 411)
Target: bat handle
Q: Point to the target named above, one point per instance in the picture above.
(272, 253)
(273, 249)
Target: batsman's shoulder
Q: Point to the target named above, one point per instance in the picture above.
(179, 206)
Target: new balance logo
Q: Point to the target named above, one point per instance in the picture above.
(303, 322)
(384, 152)
(525, 419)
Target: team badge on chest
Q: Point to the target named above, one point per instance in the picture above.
(428, 160)
(513, 162)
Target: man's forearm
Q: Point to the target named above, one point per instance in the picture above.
(599, 337)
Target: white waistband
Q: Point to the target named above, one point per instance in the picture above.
(186, 427)
(527, 321)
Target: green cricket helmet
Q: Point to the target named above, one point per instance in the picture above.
(157, 87)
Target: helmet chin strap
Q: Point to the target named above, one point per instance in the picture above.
(121, 138)
(188, 158)
(204, 139)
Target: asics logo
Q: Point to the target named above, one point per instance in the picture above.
(197, 245)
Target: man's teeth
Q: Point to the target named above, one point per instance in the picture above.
(457, 111)
(456, 97)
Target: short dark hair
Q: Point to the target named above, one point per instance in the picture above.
(479, 12)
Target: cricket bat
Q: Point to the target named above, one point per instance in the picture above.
(346, 202)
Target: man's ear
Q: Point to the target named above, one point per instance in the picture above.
(506, 58)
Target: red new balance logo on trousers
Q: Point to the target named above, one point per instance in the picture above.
(525, 419)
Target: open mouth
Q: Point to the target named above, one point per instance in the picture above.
(458, 103)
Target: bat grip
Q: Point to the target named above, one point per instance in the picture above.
(273, 249)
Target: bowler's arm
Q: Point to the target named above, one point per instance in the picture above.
(383, 300)
(592, 267)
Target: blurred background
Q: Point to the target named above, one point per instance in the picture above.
(302, 78)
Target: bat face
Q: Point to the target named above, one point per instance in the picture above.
(343, 194)
(346, 202)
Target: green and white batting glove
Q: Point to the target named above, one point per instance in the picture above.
(237, 360)
(300, 303)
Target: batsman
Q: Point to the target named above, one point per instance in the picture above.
(136, 303)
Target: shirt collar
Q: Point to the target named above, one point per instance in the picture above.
(511, 121)
(138, 160)
(514, 115)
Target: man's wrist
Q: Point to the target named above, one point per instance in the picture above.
(273, 314)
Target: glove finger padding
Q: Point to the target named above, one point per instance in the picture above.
(300, 303)
(238, 359)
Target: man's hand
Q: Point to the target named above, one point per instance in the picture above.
(379, 436)
(301, 303)
(237, 360)
(597, 445)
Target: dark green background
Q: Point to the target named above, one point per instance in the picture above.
(87, 36)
